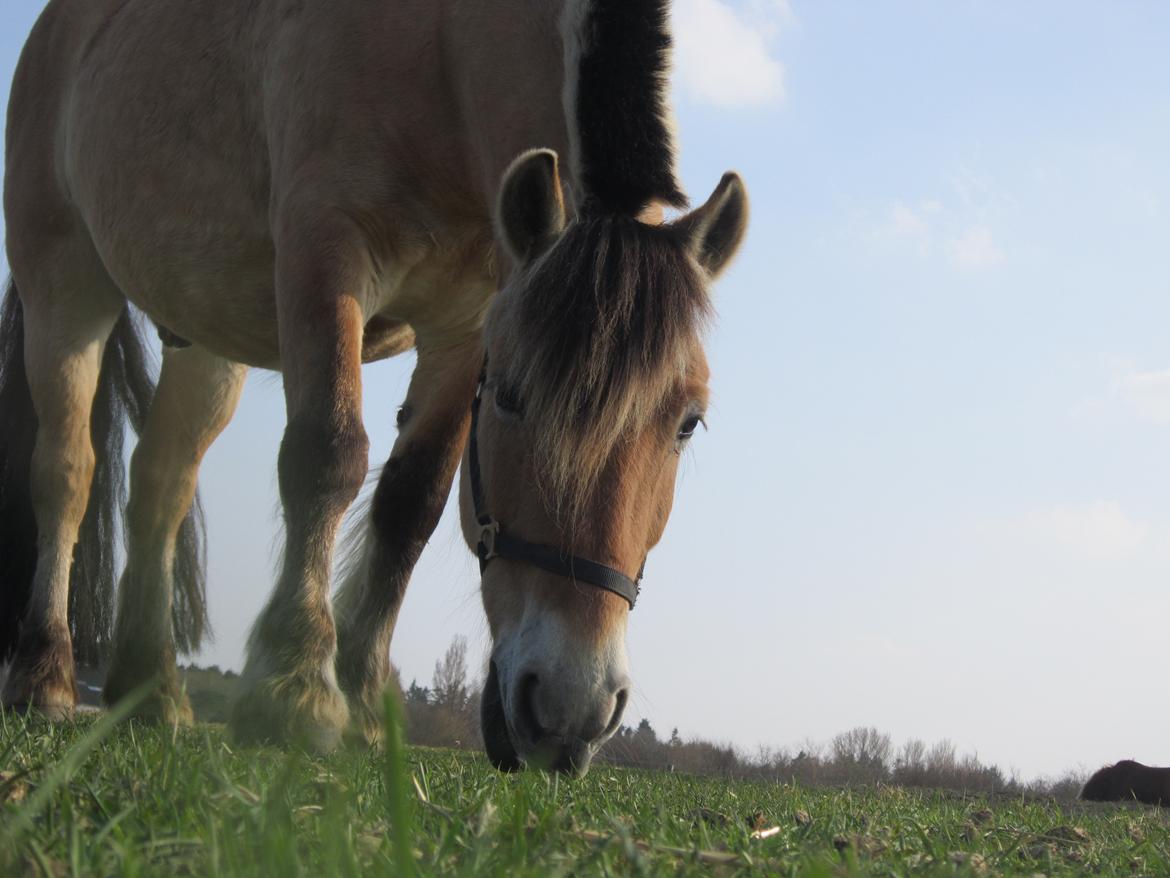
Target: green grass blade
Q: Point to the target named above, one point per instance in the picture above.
(398, 798)
(24, 818)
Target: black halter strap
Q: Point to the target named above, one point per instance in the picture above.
(495, 543)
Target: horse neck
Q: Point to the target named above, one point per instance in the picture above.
(509, 82)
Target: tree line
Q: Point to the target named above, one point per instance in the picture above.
(446, 714)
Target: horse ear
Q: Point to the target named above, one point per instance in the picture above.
(531, 211)
(715, 230)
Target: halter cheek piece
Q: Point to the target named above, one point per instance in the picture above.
(494, 542)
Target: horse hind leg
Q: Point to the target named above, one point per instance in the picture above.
(64, 341)
(196, 397)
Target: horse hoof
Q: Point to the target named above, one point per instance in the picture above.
(167, 710)
(41, 678)
(166, 703)
(54, 702)
(168, 707)
(291, 709)
(365, 724)
(54, 712)
(367, 710)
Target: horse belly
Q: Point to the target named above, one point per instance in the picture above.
(215, 290)
(166, 162)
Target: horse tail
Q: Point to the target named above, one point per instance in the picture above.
(124, 393)
(18, 428)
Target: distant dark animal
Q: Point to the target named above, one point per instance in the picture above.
(1129, 780)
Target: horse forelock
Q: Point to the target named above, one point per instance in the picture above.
(606, 324)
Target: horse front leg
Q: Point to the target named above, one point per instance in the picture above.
(407, 504)
(289, 688)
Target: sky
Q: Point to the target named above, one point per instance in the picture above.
(935, 493)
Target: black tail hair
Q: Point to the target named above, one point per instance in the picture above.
(18, 429)
(124, 392)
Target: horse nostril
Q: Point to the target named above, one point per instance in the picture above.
(619, 708)
(527, 706)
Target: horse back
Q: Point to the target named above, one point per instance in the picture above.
(182, 135)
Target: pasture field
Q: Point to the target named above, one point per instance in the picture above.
(92, 798)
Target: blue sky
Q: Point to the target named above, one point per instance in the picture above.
(935, 496)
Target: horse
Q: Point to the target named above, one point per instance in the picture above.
(1126, 781)
(305, 187)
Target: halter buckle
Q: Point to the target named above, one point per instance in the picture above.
(488, 531)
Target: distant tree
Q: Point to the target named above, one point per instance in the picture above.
(645, 732)
(939, 767)
(675, 740)
(861, 754)
(862, 745)
(417, 694)
(449, 686)
(446, 714)
(910, 764)
(940, 759)
(1067, 786)
(912, 755)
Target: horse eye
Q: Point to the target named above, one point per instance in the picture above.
(687, 430)
(508, 401)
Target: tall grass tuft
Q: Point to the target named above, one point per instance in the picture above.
(12, 834)
(398, 799)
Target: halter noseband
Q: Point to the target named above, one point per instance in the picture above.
(494, 542)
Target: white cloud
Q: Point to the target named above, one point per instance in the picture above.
(914, 222)
(905, 222)
(955, 227)
(1148, 393)
(723, 52)
(904, 225)
(1097, 530)
(975, 250)
(970, 187)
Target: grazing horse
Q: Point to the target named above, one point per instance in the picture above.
(1128, 780)
(305, 186)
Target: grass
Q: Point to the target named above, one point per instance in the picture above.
(90, 798)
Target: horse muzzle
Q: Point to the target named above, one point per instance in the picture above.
(550, 716)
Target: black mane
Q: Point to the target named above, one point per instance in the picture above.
(626, 152)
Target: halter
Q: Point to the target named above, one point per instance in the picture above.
(494, 542)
